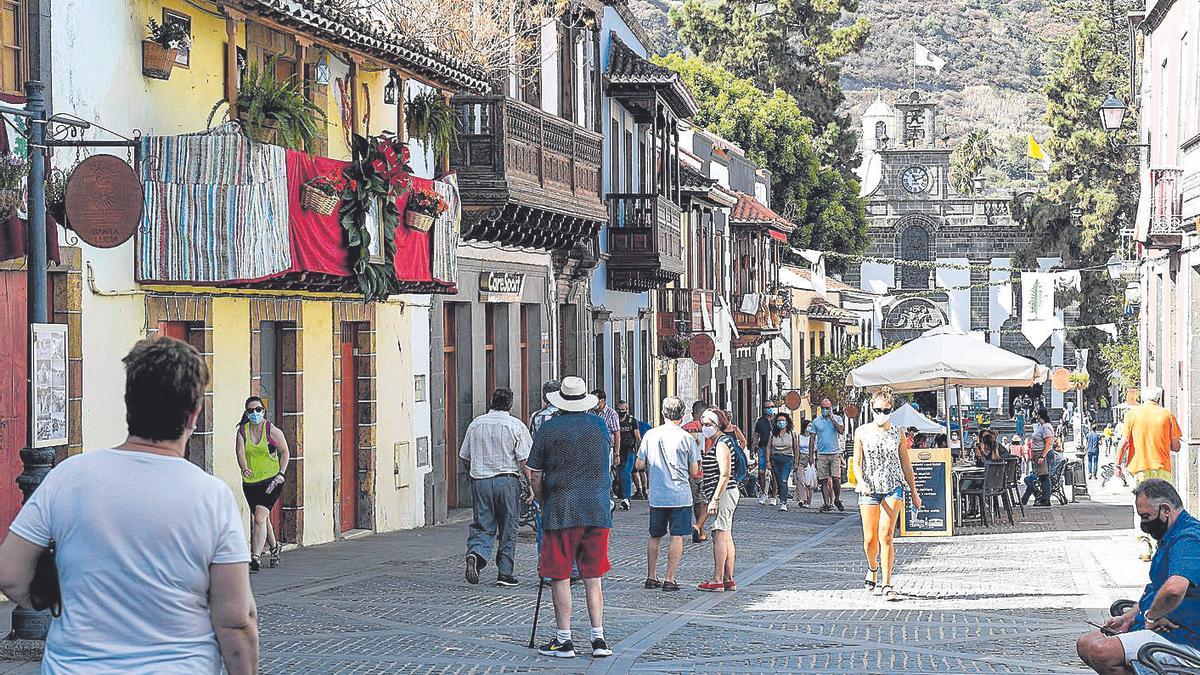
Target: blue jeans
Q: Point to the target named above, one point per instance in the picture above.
(781, 468)
(496, 511)
(1093, 463)
(625, 475)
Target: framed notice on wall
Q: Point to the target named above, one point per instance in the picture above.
(931, 468)
(48, 373)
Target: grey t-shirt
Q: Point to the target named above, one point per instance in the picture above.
(669, 452)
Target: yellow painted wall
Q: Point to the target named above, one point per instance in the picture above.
(395, 508)
(182, 103)
(318, 422)
(230, 385)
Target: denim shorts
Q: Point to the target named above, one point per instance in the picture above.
(876, 498)
(677, 520)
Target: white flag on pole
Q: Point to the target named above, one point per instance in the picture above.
(926, 58)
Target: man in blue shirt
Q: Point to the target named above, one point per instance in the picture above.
(1169, 610)
(825, 448)
(570, 468)
(1093, 452)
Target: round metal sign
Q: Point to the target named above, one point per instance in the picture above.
(104, 201)
(702, 349)
(851, 411)
(793, 400)
(1061, 380)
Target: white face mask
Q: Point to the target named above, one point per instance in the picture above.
(881, 418)
(708, 432)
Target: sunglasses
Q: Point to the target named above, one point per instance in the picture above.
(258, 409)
(882, 411)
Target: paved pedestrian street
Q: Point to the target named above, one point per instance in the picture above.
(1005, 600)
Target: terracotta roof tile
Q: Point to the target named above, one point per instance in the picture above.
(750, 210)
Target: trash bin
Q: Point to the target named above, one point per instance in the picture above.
(1076, 477)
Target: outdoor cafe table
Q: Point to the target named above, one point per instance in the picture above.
(961, 472)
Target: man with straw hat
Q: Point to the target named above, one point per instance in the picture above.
(570, 467)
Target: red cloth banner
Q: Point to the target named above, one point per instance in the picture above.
(414, 255)
(318, 242)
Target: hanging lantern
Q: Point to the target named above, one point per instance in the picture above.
(389, 90)
(322, 70)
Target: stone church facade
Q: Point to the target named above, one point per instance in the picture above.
(915, 214)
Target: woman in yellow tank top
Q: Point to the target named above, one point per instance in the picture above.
(262, 454)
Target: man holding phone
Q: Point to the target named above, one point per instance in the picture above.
(1169, 610)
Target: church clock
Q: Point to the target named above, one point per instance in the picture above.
(915, 179)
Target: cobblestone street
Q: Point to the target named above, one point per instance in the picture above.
(1007, 600)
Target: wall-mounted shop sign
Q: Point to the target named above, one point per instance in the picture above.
(500, 286)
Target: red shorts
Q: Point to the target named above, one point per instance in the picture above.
(585, 546)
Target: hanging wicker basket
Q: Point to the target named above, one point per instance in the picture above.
(11, 200)
(157, 60)
(316, 200)
(418, 221)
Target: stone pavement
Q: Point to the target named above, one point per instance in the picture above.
(1005, 599)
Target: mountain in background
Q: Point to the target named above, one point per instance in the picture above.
(997, 55)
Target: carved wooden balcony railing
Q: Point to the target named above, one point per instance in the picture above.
(527, 178)
(766, 319)
(645, 245)
(682, 311)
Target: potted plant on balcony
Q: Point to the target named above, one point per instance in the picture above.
(274, 111)
(13, 169)
(161, 47)
(322, 194)
(424, 206)
(673, 346)
(431, 119)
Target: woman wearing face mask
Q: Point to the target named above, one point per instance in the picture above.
(785, 454)
(262, 454)
(720, 489)
(883, 470)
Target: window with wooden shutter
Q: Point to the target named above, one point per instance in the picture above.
(263, 44)
(14, 66)
(566, 72)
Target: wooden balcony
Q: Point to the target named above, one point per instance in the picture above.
(645, 245)
(682, 311)
(527, 178)
(763, 323)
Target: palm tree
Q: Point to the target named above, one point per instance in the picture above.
(976, 152)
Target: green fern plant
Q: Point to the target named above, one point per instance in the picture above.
(431, 119)
(266, 104)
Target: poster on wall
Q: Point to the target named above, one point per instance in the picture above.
(49, 377)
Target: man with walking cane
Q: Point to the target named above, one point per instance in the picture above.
(570, 469)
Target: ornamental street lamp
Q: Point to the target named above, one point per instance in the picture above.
(1114, 267)
(1112, 112)
(389, 89)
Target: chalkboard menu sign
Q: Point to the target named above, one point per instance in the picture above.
(936, 517)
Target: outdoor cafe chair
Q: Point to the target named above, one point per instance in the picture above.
(1013, 482)
(992, 489)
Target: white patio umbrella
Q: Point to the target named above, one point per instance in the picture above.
(907, 416)
(942, 357)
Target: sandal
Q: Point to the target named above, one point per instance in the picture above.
(254, 564)
(869, 582)
(276, 550)
(890, 594)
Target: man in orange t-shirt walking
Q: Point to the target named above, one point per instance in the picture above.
(1151, 435)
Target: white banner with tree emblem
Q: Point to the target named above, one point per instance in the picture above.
(1038, 317)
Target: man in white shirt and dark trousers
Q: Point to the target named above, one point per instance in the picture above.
(495, 449)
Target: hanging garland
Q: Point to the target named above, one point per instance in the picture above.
(375, 178)
(934, 265)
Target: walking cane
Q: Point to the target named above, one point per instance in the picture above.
(537, 607)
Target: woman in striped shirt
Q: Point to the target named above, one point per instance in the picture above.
(721, 491)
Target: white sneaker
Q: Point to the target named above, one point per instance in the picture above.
(762, 500)
(772, 501)
(783, 506)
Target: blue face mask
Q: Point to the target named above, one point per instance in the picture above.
(255, 417)
(780, 424)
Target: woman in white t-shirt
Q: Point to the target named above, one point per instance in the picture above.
(151, 554)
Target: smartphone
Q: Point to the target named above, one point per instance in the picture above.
(1104, 630)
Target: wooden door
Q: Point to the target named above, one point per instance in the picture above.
(14, 403)
(348, 499)
(450, 372)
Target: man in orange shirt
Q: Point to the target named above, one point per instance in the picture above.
(1151, 435)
